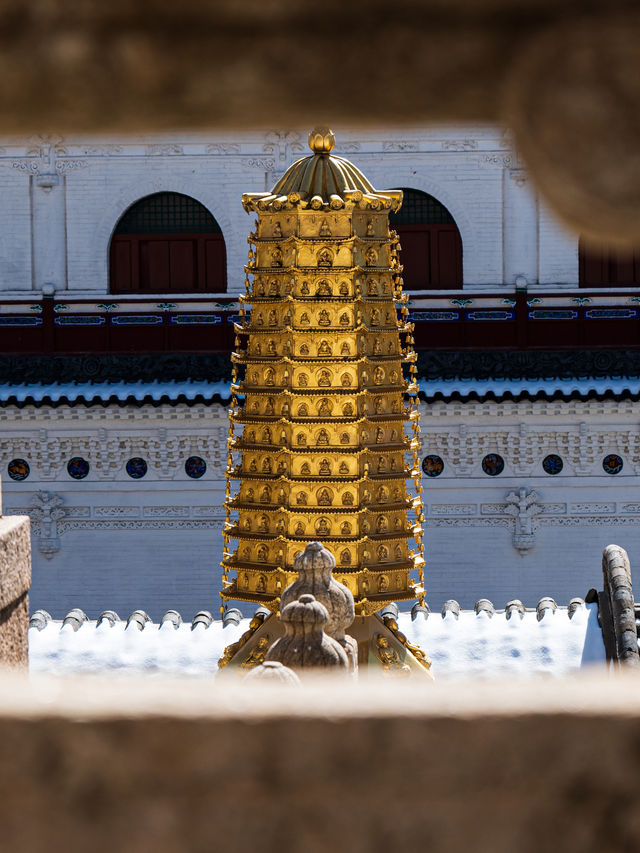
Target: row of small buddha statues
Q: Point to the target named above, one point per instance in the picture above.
(322, 288)
(324, 230)
(325, 407)
(321, 438)
(321, 526)
(323, 347)
(383, 554)
(323, 317)
(324, 468)
(324, 377)
(381, 582)
(347, 409)
(324, 259)
(324, 496)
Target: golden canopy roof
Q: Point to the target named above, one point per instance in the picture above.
(322, 179)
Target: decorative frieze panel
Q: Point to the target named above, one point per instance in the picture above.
(450, 510)
(525, 513)
(109, 512)
(592, 508)
(582, 441)
(146, 524)
(166, 512)
(164, 453)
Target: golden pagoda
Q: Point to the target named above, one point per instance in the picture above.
(318, 440)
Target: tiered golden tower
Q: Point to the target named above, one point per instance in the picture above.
(317, 437)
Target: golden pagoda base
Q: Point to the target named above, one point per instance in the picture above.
(382, 648)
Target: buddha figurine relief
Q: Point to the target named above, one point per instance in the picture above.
(324, 497)
(325, 257)
(371, 257)
(322, 527)
(324, 468)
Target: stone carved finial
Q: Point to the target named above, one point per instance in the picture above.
(321, 140)
(315, 566)
(272, 671)
(305, 645)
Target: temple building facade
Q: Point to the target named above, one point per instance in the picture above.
(122, 280)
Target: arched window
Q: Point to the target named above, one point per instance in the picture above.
(431, 245)
(606, 266)
(167, 243)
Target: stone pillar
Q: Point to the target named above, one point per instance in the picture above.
(49, 227)
(620, 605)
(520, 255)
(15, 580)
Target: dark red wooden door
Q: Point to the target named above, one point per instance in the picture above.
(608, 266)
(431, 256)
(168, 243)
(155, 263)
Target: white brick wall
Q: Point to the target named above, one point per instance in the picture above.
(15, 230)
(466, 168)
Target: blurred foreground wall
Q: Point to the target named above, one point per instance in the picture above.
(110, 766)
